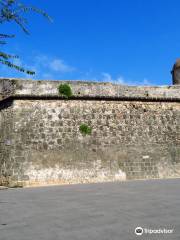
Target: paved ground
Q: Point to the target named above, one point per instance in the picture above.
(106, 211)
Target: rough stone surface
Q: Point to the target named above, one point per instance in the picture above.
(84, 89)
(6, 136)
(131, 139)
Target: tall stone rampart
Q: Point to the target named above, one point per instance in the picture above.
(135, 132)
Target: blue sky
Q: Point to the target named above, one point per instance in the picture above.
(126, 41)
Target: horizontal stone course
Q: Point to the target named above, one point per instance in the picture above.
(84, 89)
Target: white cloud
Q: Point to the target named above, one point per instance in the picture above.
(45, 67)
(88, 76)
(58, 65)
(53, 64)
(146, 82)
(108, 78)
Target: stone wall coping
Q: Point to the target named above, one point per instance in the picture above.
(21, 88)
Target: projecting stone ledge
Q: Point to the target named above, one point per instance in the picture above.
(83, 89)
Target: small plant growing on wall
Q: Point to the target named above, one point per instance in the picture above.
(85, 129)
(65, 90)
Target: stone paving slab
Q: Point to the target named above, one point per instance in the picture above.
(108, 211)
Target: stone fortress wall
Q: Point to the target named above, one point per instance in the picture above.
(135, 132)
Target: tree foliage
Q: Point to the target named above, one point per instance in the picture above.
(14, 11)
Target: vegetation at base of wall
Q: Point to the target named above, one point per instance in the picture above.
(85, 129)
(5, 181)
(65, 90)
